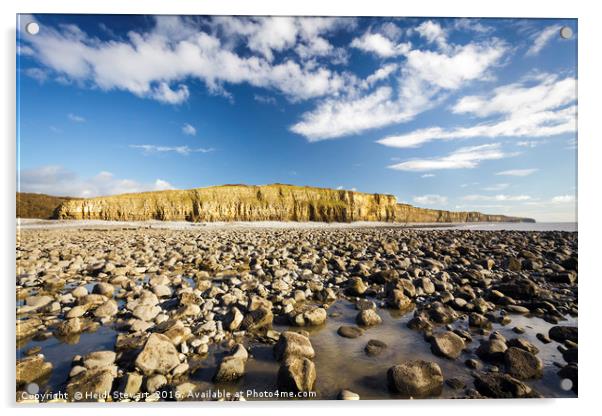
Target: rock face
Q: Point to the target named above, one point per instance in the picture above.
(261, 203)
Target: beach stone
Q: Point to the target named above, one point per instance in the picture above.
(293, 344)
(398, 300)
(501, 386)
(348, 331)
(77, 311)
(416, 378)
(523, 344)
(233, 319)
(492, 349)
(448, 345)
(260, 318)
(70, 327)
(79, 292)
(522, 364)
(357, 287)
(229, 369)
(348, 395)
(146, 312)
(564, 333)
(162, 291)
(32, 368)
(105, 289)
(159, 355)
(368, 317)
(99, 359)
(91, 385)
(107, 309)
(297, 374)
(155, 382)
(27, 327)
(130, 384)
(315, 317)
(374, 347)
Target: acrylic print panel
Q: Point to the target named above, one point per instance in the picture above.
(278, 208)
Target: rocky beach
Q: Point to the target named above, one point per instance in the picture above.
(143, 314)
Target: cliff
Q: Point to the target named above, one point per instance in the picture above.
(31, 205)
(261, 203)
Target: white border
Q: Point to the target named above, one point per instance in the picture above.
(590, 160)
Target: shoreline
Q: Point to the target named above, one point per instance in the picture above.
(41, 224)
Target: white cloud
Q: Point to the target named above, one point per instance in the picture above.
(517, 172)
(430, 199)
(424, 77)
(75, 118)
(428, 175)
(563, 199)
(58, 181)
(463, 158)
(530, 143)
(541, 110)
(542, 39)
(497, 187)
(433, 33)
(189, 129)
(155, 64)
(380, 74)
(264, 99)
(182, 150)
(380, 45)
(499, 198)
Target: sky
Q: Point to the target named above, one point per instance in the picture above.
(445, 113)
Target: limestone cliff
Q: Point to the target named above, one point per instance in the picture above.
(261, 203)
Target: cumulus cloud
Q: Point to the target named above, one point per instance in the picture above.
(58, 181)
(517, 172)
(433, 33)
(542, 39)
(155, 64)
(184, 150)
(189, 129)
(463, 158)
(380, 45)
(430, 199)
(425, 77)
(541, 110)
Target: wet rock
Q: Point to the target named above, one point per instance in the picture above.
(146, 312)
(416, 379)
(543, 338)
(293, 344)
(32, 368)
(374, 347)
(107, 309)
(564, 333)
(130, 384)
(522, 364)
(398, 300)
(27, 327)
(297, 374)
(91, 385)
(368, 317)
(357, 287)
(70, 327)
(501, 386)
(523, 344)
(570, 355)
(260, 318)
(348, 331)
(159, 355)
(455, 383)
(105, 289)
(99, 359)
(233, 319)
(315, 317)
(448, 345)
(155, 382)
(492, 350)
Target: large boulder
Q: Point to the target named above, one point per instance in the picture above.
(297, 374)
(293, 344)
(397, 299)
(448, 345)
(159, 355)
(91, 385)
(522, 364)
(260, 318)
(416, 378)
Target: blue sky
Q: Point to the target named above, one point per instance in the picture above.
(458, 114)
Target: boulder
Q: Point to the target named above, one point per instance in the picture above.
(374, 347)
(492, 350)
(293, 344)
(159, 355)
(368, 317)
(448, 345)
(501, 386)
(91, 385)
(416, 378)
(107, 309)
(357, 287)
(105, 289)
(297, 374)
(32, 368)
(564, 333)
(398, 300)
(522, 364)
(257, 319)
(348, 331)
